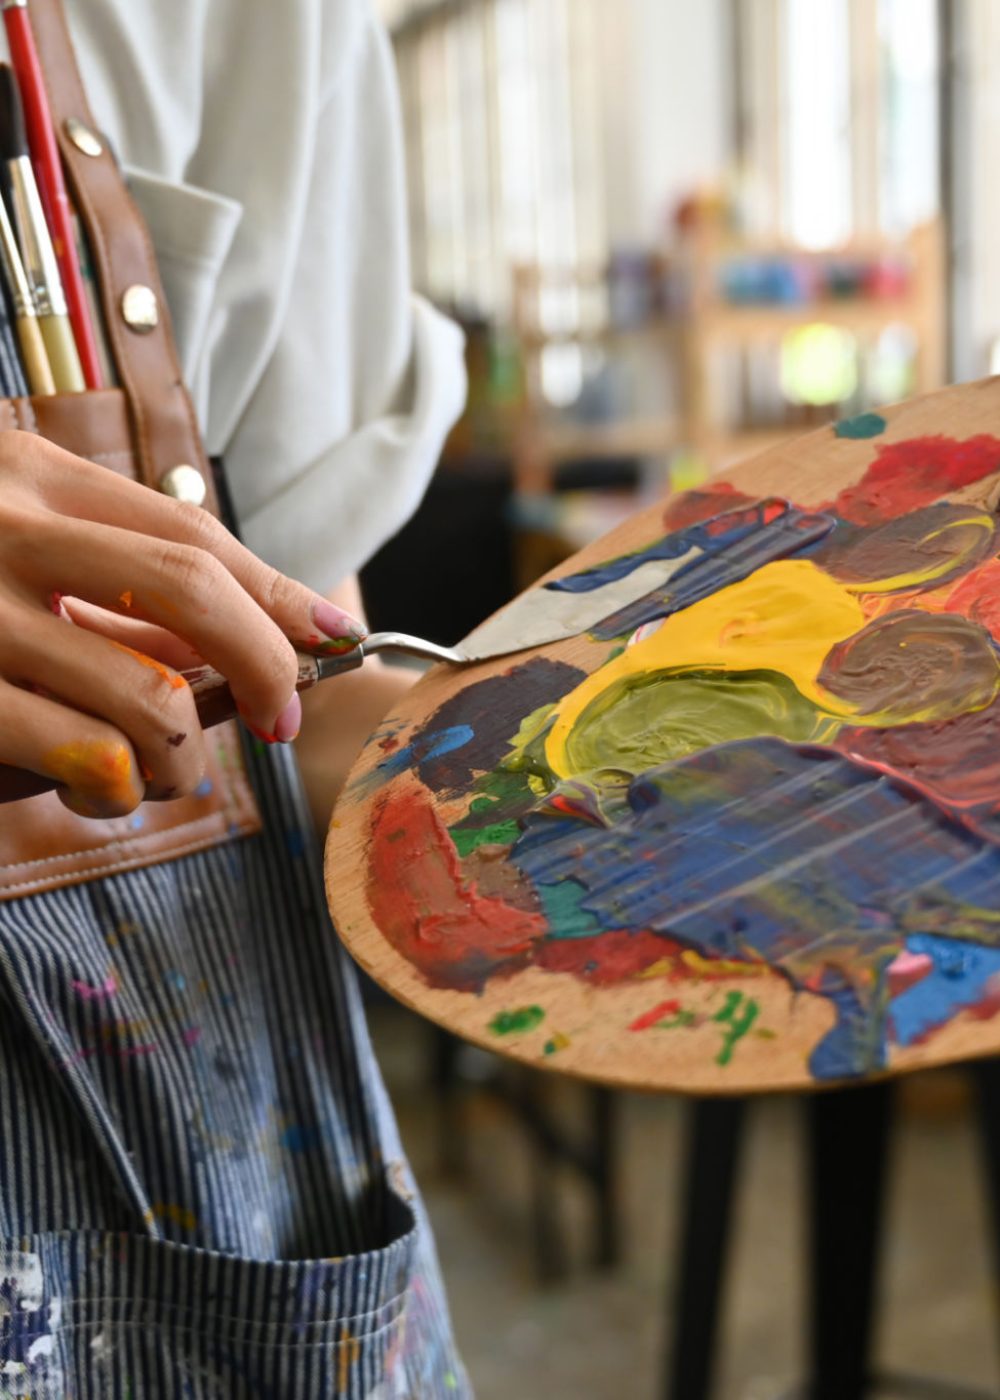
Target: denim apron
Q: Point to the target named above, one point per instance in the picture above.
(202, 1192)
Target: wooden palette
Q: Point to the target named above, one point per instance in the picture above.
(757, 849)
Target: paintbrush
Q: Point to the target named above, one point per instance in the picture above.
(671, 573)
(33, 353)
(40, 139)
(39, 255)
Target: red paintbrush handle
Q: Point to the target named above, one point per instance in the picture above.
(52, 187)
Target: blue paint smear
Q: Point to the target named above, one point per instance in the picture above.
(957, 980)
(423, 749)
(864, 425)
(711, 535)
(672, 546)
(760, 850)
(301, 1137)
(728, 558)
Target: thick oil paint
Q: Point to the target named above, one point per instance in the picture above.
(485, 710)
(865, 425)
(923, 550)
(526, 1018)
(791, 771)
(760, 851)
(726, 562)
(427, 909)
(907, 475)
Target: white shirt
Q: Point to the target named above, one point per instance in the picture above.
(262, 140)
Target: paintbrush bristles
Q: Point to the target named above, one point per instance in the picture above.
(13, 133)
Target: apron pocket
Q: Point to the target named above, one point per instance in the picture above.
(86, 1312)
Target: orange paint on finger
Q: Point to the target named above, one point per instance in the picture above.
(126, 598)
(97, 770)
(173, 678)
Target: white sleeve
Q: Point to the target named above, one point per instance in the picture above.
(335, 447)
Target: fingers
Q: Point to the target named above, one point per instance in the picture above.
(139, 697)
(93, 763)
(140, 636)
(85, 491)
(184, 590)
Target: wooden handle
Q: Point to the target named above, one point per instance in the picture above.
(62, 352)
(35, 356)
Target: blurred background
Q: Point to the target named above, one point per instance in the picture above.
(676, 231)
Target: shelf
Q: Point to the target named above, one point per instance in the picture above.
(633, 438)
(748, 323)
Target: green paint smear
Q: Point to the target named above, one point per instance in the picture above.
(739, 1025)
(499, 834)
(659, 717)
(561, 905)
(526, 1018)
(500, 793)
(865, 425)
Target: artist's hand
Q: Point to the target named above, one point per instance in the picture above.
(107, 590)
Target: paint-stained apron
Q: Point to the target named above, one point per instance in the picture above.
(202, 1191)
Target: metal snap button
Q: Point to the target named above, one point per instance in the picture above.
(84, 138)
(140, 309)
(185, 483)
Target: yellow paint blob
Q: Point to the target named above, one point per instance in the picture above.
(784, 618)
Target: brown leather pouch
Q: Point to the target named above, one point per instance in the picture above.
(145, 430)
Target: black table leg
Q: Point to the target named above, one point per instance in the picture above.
(986, 1075)
(714, 1138)
(604, 1143)
(848, 1153)
(448, 1094)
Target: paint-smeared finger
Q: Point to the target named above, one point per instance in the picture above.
(88, 493)
(140, 636)
(92, 762)
(141, 697)
(187, 591)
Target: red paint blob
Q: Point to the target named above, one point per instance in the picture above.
(978, 597)
(428, 911)
(692, 507)
(607, 958)
(907, 475)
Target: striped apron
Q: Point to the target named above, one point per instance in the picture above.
(202, 1192)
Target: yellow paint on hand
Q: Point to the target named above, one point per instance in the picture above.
(97, 770)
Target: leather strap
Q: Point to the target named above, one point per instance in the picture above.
(165, 426)
(143, 430)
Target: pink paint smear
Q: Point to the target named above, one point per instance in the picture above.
(88, 993)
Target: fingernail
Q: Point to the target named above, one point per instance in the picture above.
(337, 625)
(289, 722)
